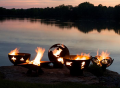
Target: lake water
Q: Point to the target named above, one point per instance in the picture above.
(28, 34)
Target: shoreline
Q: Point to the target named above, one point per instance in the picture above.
(53, 76)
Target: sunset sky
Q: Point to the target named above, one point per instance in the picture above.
(52, 3)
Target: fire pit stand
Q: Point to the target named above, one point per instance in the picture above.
(34, 70)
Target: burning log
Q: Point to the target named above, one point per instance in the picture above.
(55, 54)
(17, 58)
(103, 60)
(77, 63)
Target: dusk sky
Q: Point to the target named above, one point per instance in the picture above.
(52, 3)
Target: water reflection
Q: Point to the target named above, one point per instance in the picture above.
(83, 26)
(82, 36)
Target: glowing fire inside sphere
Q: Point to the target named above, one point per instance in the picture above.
(60, 59)
(57, 52)
(69, 63)
(36, 61)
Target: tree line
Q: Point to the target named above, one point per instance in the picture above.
(83, 11)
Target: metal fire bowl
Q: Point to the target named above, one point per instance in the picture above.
(63, 53)
(110, 61)
(75, 64)
(35, 67)
(25, 56)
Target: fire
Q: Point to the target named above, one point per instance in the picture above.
(104, 55)
(14, 52)
(82, 64)
(36, 61)
(69, 63)
(57, 52)
(22, 59)
(14, 59)
(83, 56)
(60, 59)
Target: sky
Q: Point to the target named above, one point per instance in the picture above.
(52, 3)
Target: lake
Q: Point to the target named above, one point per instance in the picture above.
(87, 37)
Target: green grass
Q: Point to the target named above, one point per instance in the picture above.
(14, 84)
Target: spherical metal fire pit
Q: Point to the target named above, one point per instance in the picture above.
(76, 67)
(103, 63)
(55, 52)
(19, 58)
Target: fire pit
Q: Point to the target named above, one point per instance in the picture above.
(55, 54)
(102, 60)
(77, 63)
(36, 64)
(16, 58)
(36, 69)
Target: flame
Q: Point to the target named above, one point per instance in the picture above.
(103, 55)
(63, 46)
(22, 59)
(57, 52)
(83, 56)
(14, 52)
(82, 64)
(69, 63)
(60, 59)
(36, 61)
(14, 59)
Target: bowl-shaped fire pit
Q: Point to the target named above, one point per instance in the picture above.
(19, 58)
(37, 69)
(75, 66)
(55, 52)
(103, 63)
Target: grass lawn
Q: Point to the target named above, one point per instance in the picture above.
(14, 84)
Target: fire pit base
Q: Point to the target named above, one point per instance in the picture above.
(33, 70)
(34, 73)
(74, 72)
(57, 65)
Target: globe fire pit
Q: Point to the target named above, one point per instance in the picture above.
(17, 58)
(55, 54)
(102, 60)
(77, 63)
